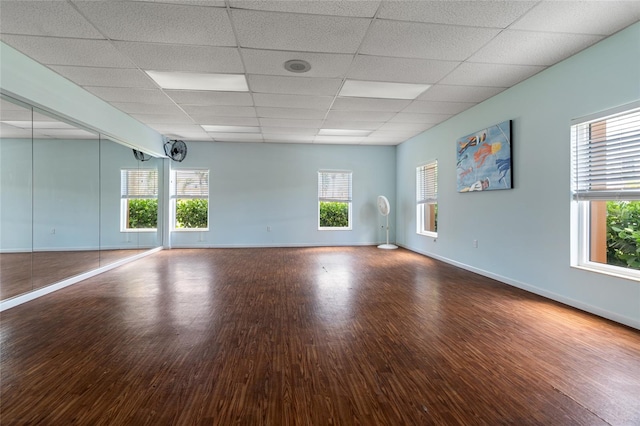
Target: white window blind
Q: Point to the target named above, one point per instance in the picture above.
(334, 186)
(427, 183)
(190, 184)
(138, 183)
(606, 157)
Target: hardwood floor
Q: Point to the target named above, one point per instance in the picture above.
(310, 336)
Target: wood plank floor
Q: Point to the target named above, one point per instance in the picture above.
(310, 336)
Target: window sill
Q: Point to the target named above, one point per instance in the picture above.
(612, 271)
(190, 230)
(428, 234)
(334, 229)
(135, 231)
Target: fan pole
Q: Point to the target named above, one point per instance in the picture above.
(387, 246)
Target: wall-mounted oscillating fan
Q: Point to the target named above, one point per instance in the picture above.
(176, 150)
(385, 208)
(141, 156)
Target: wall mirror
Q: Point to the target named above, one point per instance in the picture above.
(71, 200)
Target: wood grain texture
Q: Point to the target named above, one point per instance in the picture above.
(24, 272)
(310, 336)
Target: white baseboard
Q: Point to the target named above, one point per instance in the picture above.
(27, 297)
(299, 245)
(613, 316)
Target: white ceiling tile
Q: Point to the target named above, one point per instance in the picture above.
(178, 128)
(160, 23)
(292, 101)
(417, 127)
(414, 117)
(163, 118)
(294, 113)
(45, 18)
(359, 116)
(236, 137)
(285, 138)
(210, 3)
(189, 136)
(442, 92)
(294, 85)
(308, 33)
(361, 8)
(225, 121)
(109, 77)
(194, 97)
(369, 104)
(398, 134)
(142, 108)
(174, 57)
(121, 94)
(532, 48)
(216, 128)
(580, 17)
(354, 125)
(427, 41)
(496, 14)
(338, 139)
(492, 75)
(220, 111)
(69, 51)
(281, 122)
(381, 142)
(271, 62)
(438, 107)
(288, 131)
(402, 70)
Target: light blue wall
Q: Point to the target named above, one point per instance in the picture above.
(255, 185)
(15, 195)
(524, 234)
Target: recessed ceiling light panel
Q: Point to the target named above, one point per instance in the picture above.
(343, 132)
(230, 129)
(380, 89)
(200, 81)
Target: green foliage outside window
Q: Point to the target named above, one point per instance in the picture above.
(192, 213)
(143, 213)
(334, 214)
(623, 233)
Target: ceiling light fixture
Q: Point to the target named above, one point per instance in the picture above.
(343, 132)
(200, 81)
(297, 66)
(380, 89)
(230, 129)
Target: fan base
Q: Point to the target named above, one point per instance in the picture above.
(388, 246)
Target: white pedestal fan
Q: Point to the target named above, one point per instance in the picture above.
(384, 208)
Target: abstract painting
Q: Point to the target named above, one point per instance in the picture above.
(484, 159)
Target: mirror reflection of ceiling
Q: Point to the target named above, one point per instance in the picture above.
(18, 122)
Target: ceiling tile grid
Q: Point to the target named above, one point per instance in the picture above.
(461, 52)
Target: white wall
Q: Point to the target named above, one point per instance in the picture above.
(524, 233)
(256, 185)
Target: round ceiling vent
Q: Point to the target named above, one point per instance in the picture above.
(297, 65)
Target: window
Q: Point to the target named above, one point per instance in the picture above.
(138, 200)
(334, 200)
(427, 199)
(606, 190)
(190, 200)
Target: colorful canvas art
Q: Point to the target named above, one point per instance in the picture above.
(484, 159)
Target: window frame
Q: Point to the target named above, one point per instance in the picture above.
(426, 197)
(124, 200)
(173, 198)
(348, 200)
(584, 211)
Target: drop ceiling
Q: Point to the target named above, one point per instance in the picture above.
(465, 51)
